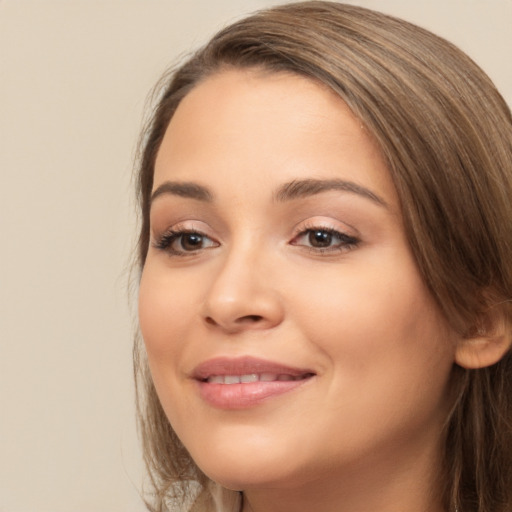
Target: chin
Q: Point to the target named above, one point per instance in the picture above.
(238, 473)
(248, 469)
(246, 478)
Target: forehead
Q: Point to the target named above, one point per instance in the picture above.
(272, 125)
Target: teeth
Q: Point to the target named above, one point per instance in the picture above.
(250, 377)
(253, 377)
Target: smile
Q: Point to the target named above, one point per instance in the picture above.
(253, 377)
(240, 383)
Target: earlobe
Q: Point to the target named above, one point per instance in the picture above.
(487, 344)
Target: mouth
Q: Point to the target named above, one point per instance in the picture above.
(255, 377)
(237, 370)
(240, 383)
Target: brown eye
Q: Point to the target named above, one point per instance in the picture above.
(184, 242)
(191, 241)
(325, 240)
(319, 238)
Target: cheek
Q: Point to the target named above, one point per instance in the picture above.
(388, 356)
(380, 313)
(165, 309)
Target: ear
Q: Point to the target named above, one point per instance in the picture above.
(487, 342)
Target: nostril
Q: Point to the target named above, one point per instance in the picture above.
(250, 319)
(247, 319)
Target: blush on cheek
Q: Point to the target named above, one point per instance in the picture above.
(153, 316)
(158, 309)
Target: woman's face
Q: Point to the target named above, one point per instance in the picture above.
(289, 334)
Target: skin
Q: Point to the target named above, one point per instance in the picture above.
(364, 433)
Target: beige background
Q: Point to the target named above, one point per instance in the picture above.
(74, 76)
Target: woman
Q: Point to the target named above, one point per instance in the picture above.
(325, 298)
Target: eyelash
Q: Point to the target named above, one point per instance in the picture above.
(346, 242)
(166, 240)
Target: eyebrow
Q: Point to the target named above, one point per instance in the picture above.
(183, 189)
(287, 192)
(303, 188)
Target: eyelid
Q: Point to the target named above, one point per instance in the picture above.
(191, 225)
(164, 239)
(325, 223)
(346, 240)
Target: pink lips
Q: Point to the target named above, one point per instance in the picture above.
(237, 383)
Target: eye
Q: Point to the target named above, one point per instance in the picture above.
(183, 242)
(324, 239)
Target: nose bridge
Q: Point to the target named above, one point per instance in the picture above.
(241, 295)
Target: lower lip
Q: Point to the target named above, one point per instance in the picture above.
(243, 396)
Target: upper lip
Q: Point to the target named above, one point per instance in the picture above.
(244, 366)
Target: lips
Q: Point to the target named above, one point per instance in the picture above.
(235, 383)
(252, 377)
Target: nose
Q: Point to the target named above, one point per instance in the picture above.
(243, 296)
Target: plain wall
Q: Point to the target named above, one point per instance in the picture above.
(74, 76)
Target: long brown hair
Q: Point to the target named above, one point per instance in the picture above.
(446, 134)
